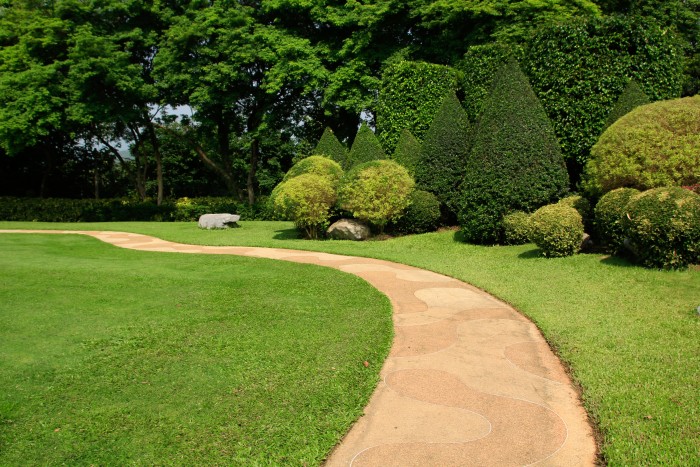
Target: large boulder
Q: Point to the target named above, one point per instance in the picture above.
(218, 221)
(349, 229)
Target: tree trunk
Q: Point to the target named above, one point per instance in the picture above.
(159, 161)
(254, 149)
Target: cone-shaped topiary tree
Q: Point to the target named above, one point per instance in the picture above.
(632, 97)
(365, 148)
(515, 163)
(330, 147)
(440, 167)
(407, 151)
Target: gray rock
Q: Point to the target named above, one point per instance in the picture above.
(349, 229)
(218, 221)
(586, 243)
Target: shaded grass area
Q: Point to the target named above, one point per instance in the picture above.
(630, 335)
(115, 357)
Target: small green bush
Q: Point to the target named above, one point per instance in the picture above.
(330, 147)
(608, 218)
(407, 151)
(516, 228)
(583, 206)
(376, 191)
(306, 200)
(663, 226)
(422, 215)
(632, 97)
(365, 148)
(317, 165)
(654, 145)
(557, 229)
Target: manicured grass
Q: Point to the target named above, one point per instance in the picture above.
(119, 357)
(630, 335)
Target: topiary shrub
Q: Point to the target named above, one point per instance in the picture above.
(407, 151)
(557, 229)
(663, 226)
(632, 97)
(422, 214)
(654, 145)
(583, 206)
(365, 148)
(317, 165)
(608, 218)
(330, 147)
(376, 192)
(409, 97)
(440, 167)
(515, 163)
(516, 228)
(306, 200)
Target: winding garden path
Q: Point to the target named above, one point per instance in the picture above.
(469, 381)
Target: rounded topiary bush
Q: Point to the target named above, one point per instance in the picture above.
(317, 165)
(306, 200)
(654, 145)
(376, 191)
(663, 226)
(422, 215)
(608, 218)
(557, 229)
(582, 205)
(516, 228)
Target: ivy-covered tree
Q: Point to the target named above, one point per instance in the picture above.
(632, 97)
(365, 148)
(407, 151)
(410, 95)
(515, 163)
(443, 156)
(329, 146)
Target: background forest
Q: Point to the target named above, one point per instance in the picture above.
(172, 99)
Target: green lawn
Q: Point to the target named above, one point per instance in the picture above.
(116, 357)
(630, 335)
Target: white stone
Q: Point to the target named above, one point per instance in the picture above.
(218, 221)
(349, 229)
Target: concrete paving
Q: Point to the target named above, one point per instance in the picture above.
(469, 380)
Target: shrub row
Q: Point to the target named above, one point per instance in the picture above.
(123, 210)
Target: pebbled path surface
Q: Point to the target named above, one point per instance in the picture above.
(469, 381)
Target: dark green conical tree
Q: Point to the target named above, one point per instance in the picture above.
(407, 151)
(440, 167)
(330, 147)
(632, 97)
(365, 148)
(515, 162)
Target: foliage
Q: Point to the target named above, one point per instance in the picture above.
(317, 165)
(477, 71)
(610, 212)
(654, 145)
(515, 163)
(579, 68)
(632, 97)
(376, 191)
(516, 228)
(329, 146)
(410, 95)
(443, 155)
(557, 229)
(307, 200)
(365, 147)
(663, 225)
(582, 205)
(407, 151)
(422, 214)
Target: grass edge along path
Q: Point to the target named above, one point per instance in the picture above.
(95, 356)
(630, 335)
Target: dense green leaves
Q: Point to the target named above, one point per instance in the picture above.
(515, 163)
(632, 96)
(407, 151)
(365, 148)
(329, 146)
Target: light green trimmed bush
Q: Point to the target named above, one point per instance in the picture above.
(583, 206)
(306, 200)
(516, 228)
(663, 226)
(422, 215)
(557, 229)
(376, 192)
(608, 218)
(317, 165)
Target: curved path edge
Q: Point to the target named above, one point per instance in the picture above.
(469, 380)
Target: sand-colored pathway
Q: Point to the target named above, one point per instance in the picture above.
(469, 381)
